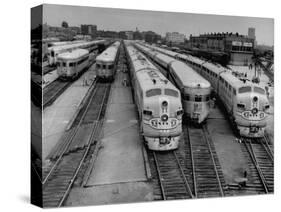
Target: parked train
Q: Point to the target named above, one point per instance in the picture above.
(245, 102)
(194, 88)
(106, 62)
(158, 102)
(53, 52)
(71, 64)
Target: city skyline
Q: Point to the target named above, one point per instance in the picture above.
(159, 22)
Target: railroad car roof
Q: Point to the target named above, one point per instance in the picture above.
(188, 76)
(109, 54)
(72, 55)
(234, 81)
(146, 72)
(75, 45)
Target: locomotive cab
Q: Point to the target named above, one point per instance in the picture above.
(252, 107)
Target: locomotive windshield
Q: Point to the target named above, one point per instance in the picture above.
(245, 89)
(153, 92)
(170, 92)
(259, 90)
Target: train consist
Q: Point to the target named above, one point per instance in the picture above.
(194, 88)
(158, 102)
(55, 51)
(106, 62)
(246, 102)
(71, 64)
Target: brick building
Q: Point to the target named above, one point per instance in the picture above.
(239, 47)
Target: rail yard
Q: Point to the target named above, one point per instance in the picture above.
(137, 122)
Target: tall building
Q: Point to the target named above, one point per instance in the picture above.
(88, 29)
(175, 37)
(252, 33)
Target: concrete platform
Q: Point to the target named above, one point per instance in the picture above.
(228, 150)
(57, 116)
(121, 158)
(111, 194)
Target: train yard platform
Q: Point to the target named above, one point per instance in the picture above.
(119, 172)
(227, 148)
(121, 158)
(57, 116)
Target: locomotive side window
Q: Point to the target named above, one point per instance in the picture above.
(153, 92)
(245, 89)
(110, 67)
(71, 64)
(104, 66)
(234, 91)
(259, 90)
(98, 65)
(170, 92)
(64, 64)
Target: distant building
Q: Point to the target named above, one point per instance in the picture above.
(89, 29)
(130, 35)
(252, 33)
(151, 37)
(137, 35)
(174, 37)
(239, 47)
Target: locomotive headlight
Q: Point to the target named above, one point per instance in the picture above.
(255, 111)
(164, 104)
(255, 99)
(164, 117)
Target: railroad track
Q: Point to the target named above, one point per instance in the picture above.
(71, 157)
(207, 176)
(191, 171)
(53, 91)
(171, 178)
(260, 158)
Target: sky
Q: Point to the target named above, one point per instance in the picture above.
(159, 22)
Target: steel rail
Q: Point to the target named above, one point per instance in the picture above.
(159, 176)
(254, 159)
(71, 136)
(193, 165)
(183, 175)
(268, 148)
(85, 153)
(213, 160)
